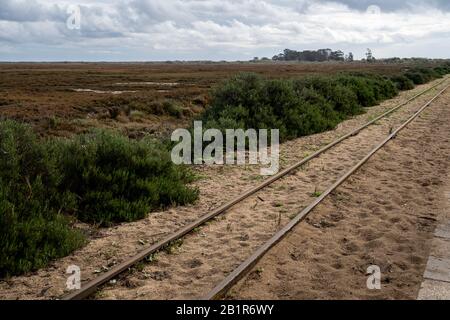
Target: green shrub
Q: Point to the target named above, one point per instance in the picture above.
(441, 70)
(416, 77)
(343, 98)
(429, 74)
(240, 102)
(99, 177)
(365, 93)
(388, 90)
(173, 109)
(295, 107)
(32, 229)
(117, 179)
(313, 114)
(422, 75)
(307, 105)
(126, 105)
(402, 83)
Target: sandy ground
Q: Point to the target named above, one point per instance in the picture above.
(384, 215)
(206, 256)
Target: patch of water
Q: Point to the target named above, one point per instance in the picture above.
(169, 84)
(104, 92)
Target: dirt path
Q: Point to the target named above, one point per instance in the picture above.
(384, 215)
(205, 257)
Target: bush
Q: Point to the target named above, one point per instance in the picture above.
(364, 92)
(422, 75)
(32, 229)
(307, 105)
(343, 98)
(173, 109)
(117, 106)
(402, 83)
(388, 90)
(441, 70)
(99, 177)
(416, 77)
(313, 114)
(295, 107)
(117, 179)
(429, 74)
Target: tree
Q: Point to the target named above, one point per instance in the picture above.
(324, 54)
(349, 57)
(337, 55)
(310, 55)
(369, 56)
(278, 57)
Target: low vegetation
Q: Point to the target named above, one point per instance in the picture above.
(424, 75)
(296, 107)
(33, 229)
(118, 179)
(100, 178)
(121, 106)
(299, 107)
(402, 82)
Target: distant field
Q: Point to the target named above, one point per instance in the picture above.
(156, 97)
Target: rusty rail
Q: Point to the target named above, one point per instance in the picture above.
(220, 290)
(91, 287)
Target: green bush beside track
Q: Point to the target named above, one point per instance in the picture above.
(100, 178)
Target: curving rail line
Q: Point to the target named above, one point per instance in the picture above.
(222, 288)
(91, 287)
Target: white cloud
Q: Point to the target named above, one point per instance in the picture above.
(214, 29)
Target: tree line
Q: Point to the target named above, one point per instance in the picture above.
(320, 55)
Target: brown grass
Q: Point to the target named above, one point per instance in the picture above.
(43, 93)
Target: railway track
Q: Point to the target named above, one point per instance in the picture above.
(91, 287)
(222, 288)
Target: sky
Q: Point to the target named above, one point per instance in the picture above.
(159, 30)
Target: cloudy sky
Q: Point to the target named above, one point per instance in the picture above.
(136, 30)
